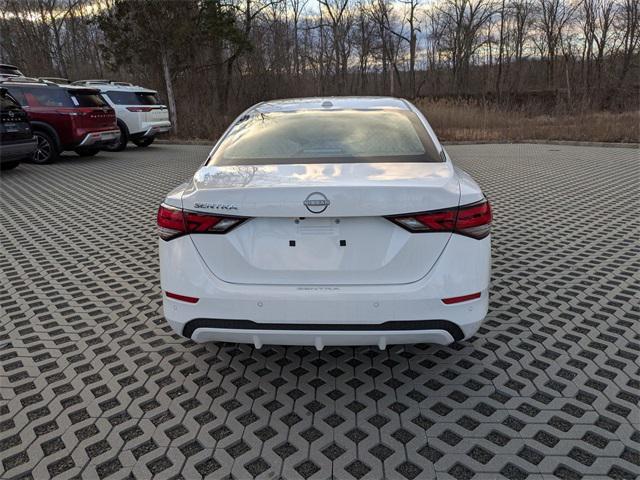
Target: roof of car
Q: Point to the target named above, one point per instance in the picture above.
(36, 82)
(72, 88)
(108, 85)
(18, 80)
(125, 88)
(55, 79)
(324, 103)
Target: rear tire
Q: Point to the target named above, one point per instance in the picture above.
(86, 152)
(144, 142)
(9, 165)
(46, 151)
(121, 143)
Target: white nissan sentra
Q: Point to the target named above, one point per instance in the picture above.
(326, 221)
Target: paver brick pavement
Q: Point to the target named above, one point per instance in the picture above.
(94, 384)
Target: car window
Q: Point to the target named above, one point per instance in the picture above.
(87, 99)
(6, 102)
(44, 96)
(334, 136)
(132, 98)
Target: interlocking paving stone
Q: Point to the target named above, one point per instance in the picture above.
(94, 383)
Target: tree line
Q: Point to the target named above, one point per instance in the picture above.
(212, 58)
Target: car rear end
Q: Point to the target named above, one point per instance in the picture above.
(64, 117)
(16, 138)
(92, 120)
(140, 109)
(368, 237)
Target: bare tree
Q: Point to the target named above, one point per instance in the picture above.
(554, 17)
(212, 58)
(339, 23)
(465, 20)
(410, 37)
(629, 26)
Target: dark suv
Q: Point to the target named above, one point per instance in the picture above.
(16, 138)
(64, 117)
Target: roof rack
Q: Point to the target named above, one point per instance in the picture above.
(90, 82)
(102, 82)
(15, 79)
(56, 80)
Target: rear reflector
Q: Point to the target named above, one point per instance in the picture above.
(182, 298)
(463, 298)
(174, 222)
(473, 220)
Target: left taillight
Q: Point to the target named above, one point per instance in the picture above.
(473, 220)
(174, 222)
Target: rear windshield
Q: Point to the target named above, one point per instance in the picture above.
(342, 136)
(87, 99)
(133, 98)
(41, 96)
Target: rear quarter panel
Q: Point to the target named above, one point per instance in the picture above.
(60, 123)
(470, 191)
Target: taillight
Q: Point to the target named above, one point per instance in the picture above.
(436, 221)
(174, 222)
(139, 109)
(472, 220)
(170, 222)
(73, 112)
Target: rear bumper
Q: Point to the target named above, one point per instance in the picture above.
(321, 334)
(152, 131)
(17, 150)
(328, 315)
(95, 139)
(321, 339)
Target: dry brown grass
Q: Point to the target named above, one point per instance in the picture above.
(474, 121)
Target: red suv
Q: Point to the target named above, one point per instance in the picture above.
(64, 117)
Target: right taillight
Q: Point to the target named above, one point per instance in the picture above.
(473, 220)
(174, 222)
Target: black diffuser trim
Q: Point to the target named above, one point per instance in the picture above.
(454, 330)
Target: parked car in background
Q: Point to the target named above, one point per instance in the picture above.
(141, 116)
(16, 138)
(64, 117)
(9, 71)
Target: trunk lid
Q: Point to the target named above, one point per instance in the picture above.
(347, 242)
(91, 110)
(156, 113)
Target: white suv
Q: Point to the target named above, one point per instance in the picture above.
(140, 115)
